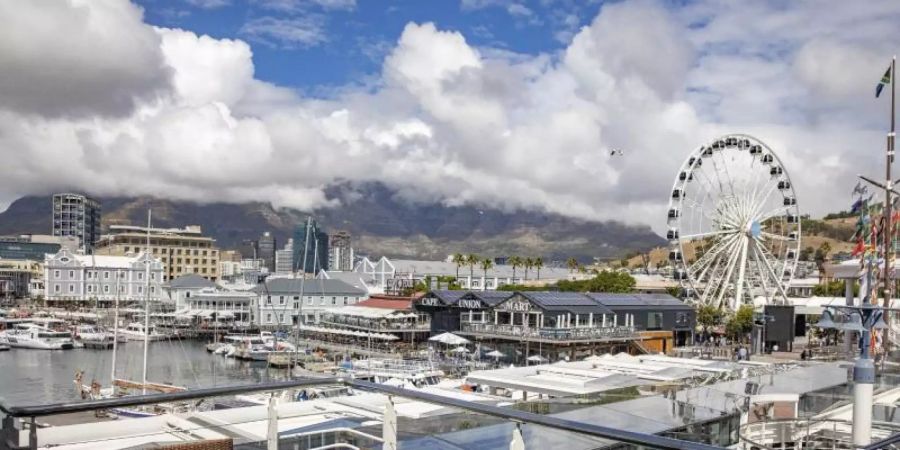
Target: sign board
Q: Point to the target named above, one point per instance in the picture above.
(467, 303)
(430, 301)
(515, 305)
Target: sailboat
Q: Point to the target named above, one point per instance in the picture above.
(121, 387)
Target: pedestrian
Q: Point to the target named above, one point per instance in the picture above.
(742, 353)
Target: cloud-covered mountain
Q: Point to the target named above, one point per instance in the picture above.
(382, 224)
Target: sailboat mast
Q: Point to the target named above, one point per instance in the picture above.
(115, 329)
(147, 262)
(302, 284)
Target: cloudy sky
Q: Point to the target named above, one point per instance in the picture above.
(491, 102)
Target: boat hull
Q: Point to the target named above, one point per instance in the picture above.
(37, 345)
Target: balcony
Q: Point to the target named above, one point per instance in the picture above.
(550, 334)
(379, 325)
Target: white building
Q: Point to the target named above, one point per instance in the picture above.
(210, 306)
(278, 300)
(284, 258)
(73, 277)
(180, 290)
(393, 275)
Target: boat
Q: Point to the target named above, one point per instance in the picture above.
(92, 336)
(396, 372)
(4, 345)
(37, 337)
(135, 332)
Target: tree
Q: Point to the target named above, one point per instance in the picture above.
(572, 263)
(807, 253)
(674, 291)
(528, 263)
(460, 260)
(538, 263)
(740, 323)
(822, 254)
(605, 281)
(709, 316)
(486, 264)
(515, 262)
(471, 261)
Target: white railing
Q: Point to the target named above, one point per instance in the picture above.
(560, 334)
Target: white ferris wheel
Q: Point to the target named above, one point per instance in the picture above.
(733, 223)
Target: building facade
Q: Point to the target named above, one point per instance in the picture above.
(279, 300)
(265, 247)
(340, 251)
(180, 290)
(182, 250)
(70, 277)
(79, 216)
(214, 308)
(284, 258)
(312, 254)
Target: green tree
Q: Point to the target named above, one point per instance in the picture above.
(674, 291)
(572, 264)
(515, 262)
(538, 263)
(486, 264)
(528, 263)
(807, 253)
(472, 260)
(460, 260)
(740, 323)
(605, 281)
(709, 316)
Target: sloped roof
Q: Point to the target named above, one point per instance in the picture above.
(310, 287)
(386, 303)
(191, 281)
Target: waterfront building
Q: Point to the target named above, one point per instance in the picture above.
(284, 258)
(356, 279)
(35, 247)
(316, 252)
(70, 277)
(393, 275)
(180, 290)
(381, 315)
(560, 325)
(182, 250)
(340, 251)
(16, 278)
(214, 308)
(279, 300)
(265, 247)
(79, 216)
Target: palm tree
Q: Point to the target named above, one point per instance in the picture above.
(515, 262)
(572, 263)
(529, 263)
(459, 259)
(538, 263)
(471, 261)
(486, 264)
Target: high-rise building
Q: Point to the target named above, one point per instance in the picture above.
(284, 258)
(77, 215)
(182, 250)
(340, 251)
(265, 245)
(316, 249)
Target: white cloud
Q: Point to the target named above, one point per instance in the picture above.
(520, 10)
(167, 112)
(209, 4)
(298, 32)
(296, 6)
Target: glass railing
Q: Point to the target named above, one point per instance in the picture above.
(563, 334)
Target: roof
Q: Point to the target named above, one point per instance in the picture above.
(638, 301)
(573, 302)
(309, 287)
(355, 279)
(449, 297)
(191, 281)
(492, 298)
(385, 303)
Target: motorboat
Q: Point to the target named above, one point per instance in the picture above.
(135, 332)
(38, 337)
(394, 372)
(4, 345)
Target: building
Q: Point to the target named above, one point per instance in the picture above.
(180, 290)
(356, 279)
(340, 252)
(21, 278)
(284, 258)
(79, 216)
(265, 247)
(213, 308)
(394, 275)
(182, 250)
(279, 300)
(71, 277)
(560, 325)
(34, 247)
(311, 255)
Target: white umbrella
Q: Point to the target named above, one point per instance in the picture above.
(449, 339)
(537, 358)
(495, 354)
(460, 350)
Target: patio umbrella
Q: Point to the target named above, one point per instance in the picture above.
(460, 350)
(496, 354)
(537, 358)
(449, 339)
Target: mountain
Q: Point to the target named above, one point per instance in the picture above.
(382, 223)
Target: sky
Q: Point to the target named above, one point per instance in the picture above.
(498, 103)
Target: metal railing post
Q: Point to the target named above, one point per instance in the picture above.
(518, 441)
(272, 435)
(389, 425)
(32, 434)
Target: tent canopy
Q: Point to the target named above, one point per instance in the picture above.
(449, 339)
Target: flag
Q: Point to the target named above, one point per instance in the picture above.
(884, 81)
(860, 189)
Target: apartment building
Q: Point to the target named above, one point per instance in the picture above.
(182, 250)
(71, 277)
(79, 216)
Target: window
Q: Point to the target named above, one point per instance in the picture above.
(322, 301)
(334, 300)
(269, 300)
(106, 275)
(281, 318)
(56, 288)
(71, 288)
(140, 275)
(309, 301)
(268, 318)
(121, 275)
(55, 274)
(90, 289)
(152, 289)
(682, 318)
(152, 276)
(106, 289)
(296, 304)
(654, 320)
(140, 289)
(71, 274)
(281, 300)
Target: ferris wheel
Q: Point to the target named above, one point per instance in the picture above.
(733, 224)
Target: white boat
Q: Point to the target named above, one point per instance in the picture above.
(38, 337)
(93, 334)
(4, 345)
(394, 372)
(135, 332)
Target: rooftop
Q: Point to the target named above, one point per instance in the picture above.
(191, 281)
(293, 286)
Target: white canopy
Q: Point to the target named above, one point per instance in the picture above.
(449, 339)
(460, 350)
(495, 354)
(537, 358)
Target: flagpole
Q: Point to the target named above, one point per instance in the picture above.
(888, 232)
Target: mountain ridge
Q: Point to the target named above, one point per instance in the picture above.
(381, 222)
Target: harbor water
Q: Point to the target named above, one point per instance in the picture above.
(46, 376)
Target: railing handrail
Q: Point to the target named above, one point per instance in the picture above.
(618, 435)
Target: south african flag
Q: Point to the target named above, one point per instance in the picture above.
(884, 82)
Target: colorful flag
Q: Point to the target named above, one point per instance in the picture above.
(884, 81)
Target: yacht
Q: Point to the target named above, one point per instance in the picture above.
(38, 337)
(91, 333)
(135, 332)
(395, 372)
